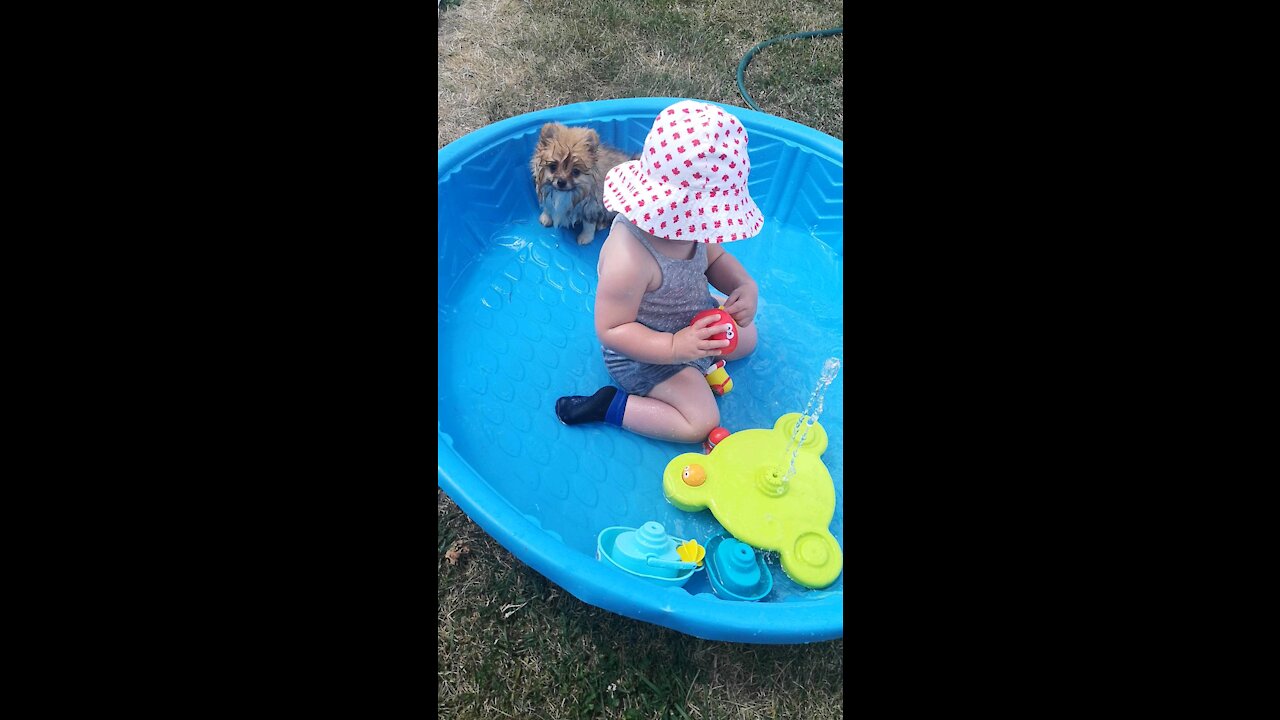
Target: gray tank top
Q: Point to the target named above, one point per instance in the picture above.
(683, 292)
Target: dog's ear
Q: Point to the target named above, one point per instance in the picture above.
(548, 131)
(592, 142)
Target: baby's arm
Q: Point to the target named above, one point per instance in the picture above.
(727, 275)
(624, 280)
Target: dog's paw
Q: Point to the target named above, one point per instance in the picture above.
(545, 219)
(588, 234)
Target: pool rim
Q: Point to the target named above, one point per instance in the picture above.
(815, 618)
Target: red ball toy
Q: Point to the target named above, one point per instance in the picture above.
(724, 318)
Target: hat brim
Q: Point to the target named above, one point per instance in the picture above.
(678, 212)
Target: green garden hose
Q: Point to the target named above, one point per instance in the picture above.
(742, 66)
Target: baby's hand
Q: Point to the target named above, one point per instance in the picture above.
(741, 304)
(691, 343)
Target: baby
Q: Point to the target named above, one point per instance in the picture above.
(685, 196)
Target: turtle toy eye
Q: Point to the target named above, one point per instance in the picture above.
(693, 475)
(728, 334)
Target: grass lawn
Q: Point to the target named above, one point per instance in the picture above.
(500, 58)
(511, 643)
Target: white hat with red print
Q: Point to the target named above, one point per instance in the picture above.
(690, 182)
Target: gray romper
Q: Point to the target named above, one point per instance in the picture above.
(683, 294)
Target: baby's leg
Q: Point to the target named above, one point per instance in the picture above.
(680, 408)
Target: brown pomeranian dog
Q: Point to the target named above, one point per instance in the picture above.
(569, 166)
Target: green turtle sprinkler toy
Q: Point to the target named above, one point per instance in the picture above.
(747, 483)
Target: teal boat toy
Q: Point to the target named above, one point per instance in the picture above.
(736, 571)
(646, 552)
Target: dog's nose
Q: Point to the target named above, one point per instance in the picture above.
(561, 184)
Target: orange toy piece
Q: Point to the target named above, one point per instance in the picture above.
(713, 439)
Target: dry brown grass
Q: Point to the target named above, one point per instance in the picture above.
(500, 58)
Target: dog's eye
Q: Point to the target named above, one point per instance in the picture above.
(552, 167)
(576, 172)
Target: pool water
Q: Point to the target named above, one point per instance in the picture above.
(515, 304)
(516, 333)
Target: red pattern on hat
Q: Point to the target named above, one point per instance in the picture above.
(700, 183)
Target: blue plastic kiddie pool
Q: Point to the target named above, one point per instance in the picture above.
(515, 304)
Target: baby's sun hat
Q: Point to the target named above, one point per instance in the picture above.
(690, 182)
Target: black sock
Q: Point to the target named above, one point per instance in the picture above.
(578, 409)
